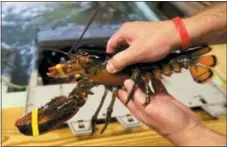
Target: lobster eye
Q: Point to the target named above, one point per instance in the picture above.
(62, 60)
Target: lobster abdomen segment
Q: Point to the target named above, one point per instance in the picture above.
(201, 71)
(200, 74)
(209, 60)
(199, 66)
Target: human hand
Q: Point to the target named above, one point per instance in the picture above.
(165, 115)
(148, 41)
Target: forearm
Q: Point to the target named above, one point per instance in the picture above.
(208, 26)
(198, 137)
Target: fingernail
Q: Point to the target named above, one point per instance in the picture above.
(120, 93)
(110, 68)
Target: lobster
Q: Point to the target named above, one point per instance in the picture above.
(89, 70)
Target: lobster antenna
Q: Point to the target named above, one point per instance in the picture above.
(81, 36)
(56, 50)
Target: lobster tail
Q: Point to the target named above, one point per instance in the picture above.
(209, 60)
(166, 70)
(176, 67)
(200, 74)
(200, 69)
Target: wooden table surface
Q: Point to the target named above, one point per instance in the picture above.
(115, 135)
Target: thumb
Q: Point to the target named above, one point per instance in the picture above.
(120, 61)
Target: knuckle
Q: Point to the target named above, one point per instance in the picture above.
(116, 62)
(109, 42)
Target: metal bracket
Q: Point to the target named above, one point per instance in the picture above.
(215, 109)
(80, 127)
(128, 121)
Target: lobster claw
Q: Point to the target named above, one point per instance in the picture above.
(46, 118)
(24, 124)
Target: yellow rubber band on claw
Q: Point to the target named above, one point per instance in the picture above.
(60, 70)
(35, 127)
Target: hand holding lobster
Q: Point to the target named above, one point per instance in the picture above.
(164, 114)
(169, 117)
(145, 43)
(151, 41)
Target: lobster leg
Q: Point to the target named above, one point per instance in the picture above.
(147, 90)
(110, 109)
(158, 86)
(135, 78)
(94, 117)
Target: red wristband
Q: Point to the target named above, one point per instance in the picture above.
(185, 40)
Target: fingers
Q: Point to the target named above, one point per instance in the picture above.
(116, 40)
(121, 60)
(122, 36)
(158, 86)
(139, 96)
(122, 95)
